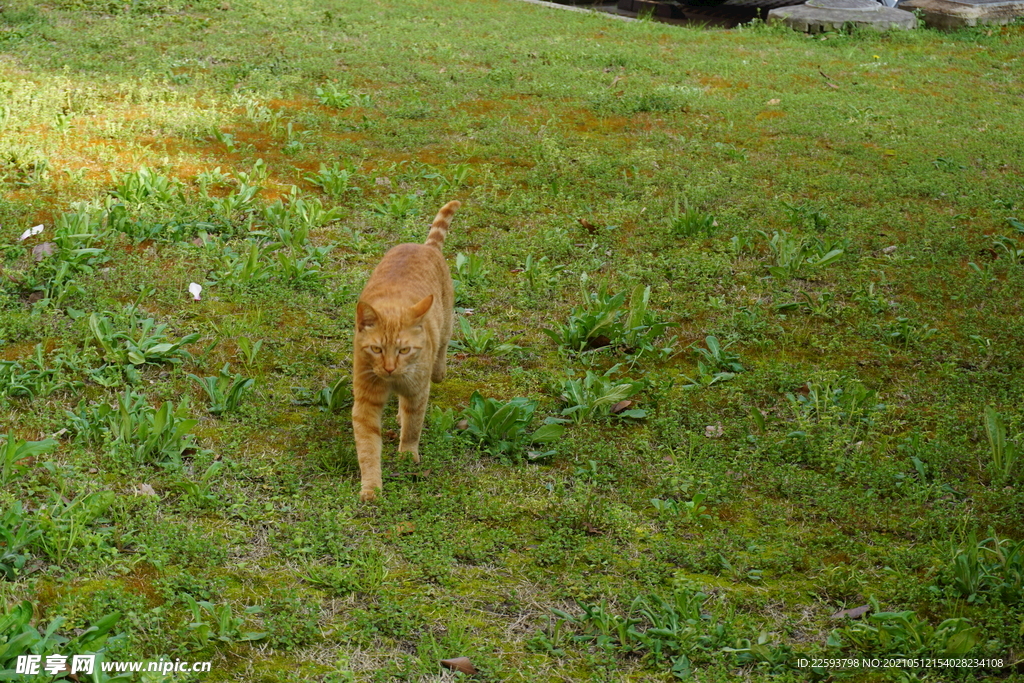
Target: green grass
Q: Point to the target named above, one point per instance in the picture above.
(833, 418)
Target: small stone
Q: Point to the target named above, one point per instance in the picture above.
(714, 431)
(853, 613)
(146, 490)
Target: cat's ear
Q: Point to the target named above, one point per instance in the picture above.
(365, 316)
(419, 310)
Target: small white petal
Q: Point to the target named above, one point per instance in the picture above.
(195, 290)
(30, 232)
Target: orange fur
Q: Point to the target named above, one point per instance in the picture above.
(403, 325)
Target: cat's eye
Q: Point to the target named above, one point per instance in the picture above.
(375, 349)
(404, 350)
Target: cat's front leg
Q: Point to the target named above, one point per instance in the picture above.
(411, 410)
(366, 411)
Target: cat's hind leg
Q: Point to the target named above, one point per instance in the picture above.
(440, 368)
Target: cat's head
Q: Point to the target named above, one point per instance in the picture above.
(392, 339)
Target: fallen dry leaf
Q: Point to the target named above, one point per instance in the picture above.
(41, 251)
(32, 567)
(774, 100)
(852, 613)
(828, 81)
(405, 528)
(620, 406)
(461, 664)
(588, 226)
(462, 425)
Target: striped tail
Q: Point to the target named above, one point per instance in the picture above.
(439, 228)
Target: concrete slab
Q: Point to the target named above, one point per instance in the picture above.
(816, 16)
(585, 10)
(852, 5)
(959, 13)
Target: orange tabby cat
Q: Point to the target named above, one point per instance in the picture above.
(403, 324)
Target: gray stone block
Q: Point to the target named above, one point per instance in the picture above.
(816, 16)
(958, 13)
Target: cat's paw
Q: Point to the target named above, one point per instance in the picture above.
(414, 452)
(368, 495)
